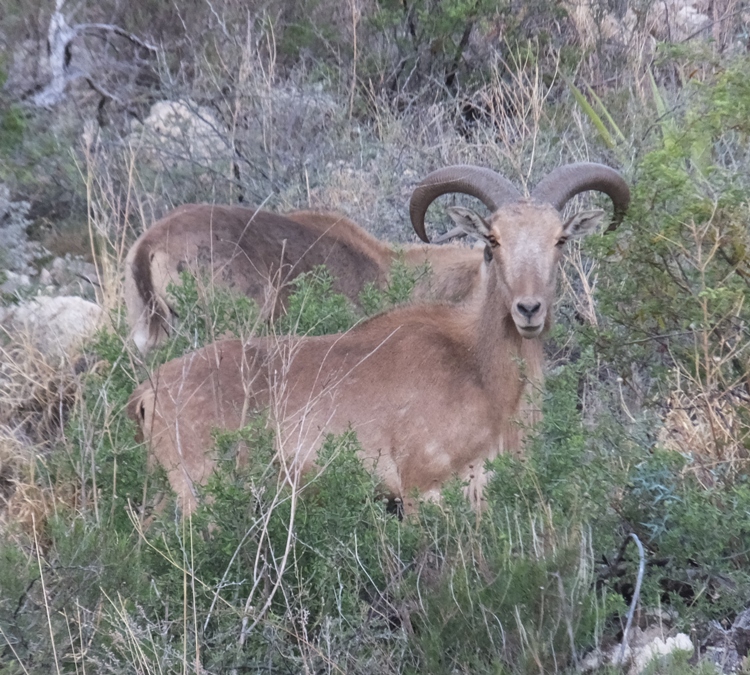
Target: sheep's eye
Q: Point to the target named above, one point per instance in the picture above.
(493, 241)
(561, 242)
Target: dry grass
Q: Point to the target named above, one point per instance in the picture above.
(39, 392)
(42, 383)
(706, 416)
(711, 428)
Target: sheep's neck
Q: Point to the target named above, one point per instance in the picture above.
(511, 366)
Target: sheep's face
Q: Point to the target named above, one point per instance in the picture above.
(524, 241)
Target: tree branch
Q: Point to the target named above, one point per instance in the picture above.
(90, 27)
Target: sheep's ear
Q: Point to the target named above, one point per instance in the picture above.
(470, 222)
(583, 223)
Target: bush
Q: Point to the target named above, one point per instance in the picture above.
(676, 276)
(314, 309)
(401, 283)
(12, 128)
(207, 312)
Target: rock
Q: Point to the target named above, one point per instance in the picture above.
(725, 648)
(643, 648)
(26, 69)
(592, 662)
(677, 20)
(74, 276)
(67, 270)
(671, 20)
(180, 132)
(659, 648)
(55, 326)
(741, 631)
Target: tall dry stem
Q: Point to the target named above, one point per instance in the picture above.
(515, 99)
(704, 417)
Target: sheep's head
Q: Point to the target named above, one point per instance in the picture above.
(523, 237)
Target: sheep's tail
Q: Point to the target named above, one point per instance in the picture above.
(148, 313)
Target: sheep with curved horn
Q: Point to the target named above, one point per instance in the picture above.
(432, 391)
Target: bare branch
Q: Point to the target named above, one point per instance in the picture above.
(91, 27)
(101, 90)
(60, 35)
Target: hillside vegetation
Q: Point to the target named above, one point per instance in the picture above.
(110, 117)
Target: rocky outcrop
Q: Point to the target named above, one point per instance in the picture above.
(180, 133)
(644, 648)
(55, 326)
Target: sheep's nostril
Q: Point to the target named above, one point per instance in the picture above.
(528, 308)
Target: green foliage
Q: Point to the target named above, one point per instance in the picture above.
(596, 119)
(101, 456)
(12, 128)
(207, 312)
(612, 478)
(36, 161)
(311, 32)
(401, 283)
(700, 534)
(87, 542)
(676, 277)
(488, 581)
(314, 308)
(308, 557)
(678, 663)
(572, 466)
(608, 130)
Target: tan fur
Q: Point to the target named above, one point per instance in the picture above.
(253, 251)
(433, 391)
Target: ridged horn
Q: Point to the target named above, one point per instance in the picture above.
(565, 182)
(484, 184)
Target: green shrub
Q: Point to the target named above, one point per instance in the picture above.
(100, 456)
(675, 277)
(12, 128)
(431, 38)
(401, 283)
(314, 308)
(699, 536)
(206, 312)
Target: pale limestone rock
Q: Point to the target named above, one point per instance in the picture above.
(55, 326)
(643, 647)
(180, 132)
(659, 648)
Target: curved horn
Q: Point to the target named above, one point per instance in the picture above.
(484, 184)
(567, 181)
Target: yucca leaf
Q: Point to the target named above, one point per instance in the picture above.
(596, 120)
(606, 114)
